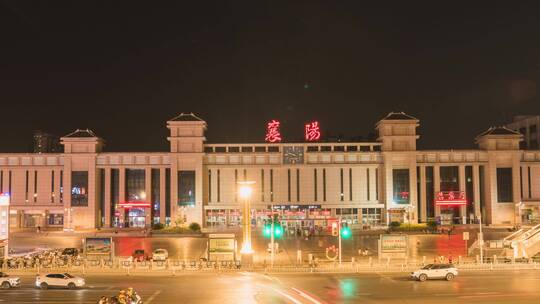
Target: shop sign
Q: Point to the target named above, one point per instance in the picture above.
(450, 198)
(296, 207)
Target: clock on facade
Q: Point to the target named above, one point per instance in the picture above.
(293, 155)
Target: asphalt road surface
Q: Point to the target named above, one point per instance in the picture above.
(243, 287)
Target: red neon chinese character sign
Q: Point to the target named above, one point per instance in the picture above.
(272, 132)
(313, 131)
(451, 198)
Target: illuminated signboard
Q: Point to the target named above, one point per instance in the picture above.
(312, 131)
(4, 199)
(450, 198)
(394, 243)
(272, 132)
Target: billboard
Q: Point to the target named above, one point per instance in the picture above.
(394, 243)
(221, 247)
(98, 247)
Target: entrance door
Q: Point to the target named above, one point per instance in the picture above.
(136, 218)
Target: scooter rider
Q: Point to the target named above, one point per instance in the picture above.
(133, 296)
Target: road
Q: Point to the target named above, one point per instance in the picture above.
(243, 287)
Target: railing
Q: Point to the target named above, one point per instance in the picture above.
(171, 267)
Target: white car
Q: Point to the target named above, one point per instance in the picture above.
(160, 255)
(435, 271)
(7, 282)
(59, 280)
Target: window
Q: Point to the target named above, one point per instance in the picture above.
(339, 148)
(1, 181)
(209, 185)
(341, 184)
(155, 184)
(167, 193)
(186, 188)
(9, 182)
(55, 219)
(376, 184)
(61, 185)
(350, 184)
(218, 185)
(352, 148)
(313, 148)
(326, 148)
(52, 186)
(260, 149)
(401, 186)
(324, 184)
(430, 193)
(220, 149)
(26, 188)
(247, 149)
(135, 184)
(101, 196)
(234, 149)
(289, 185)
(482, 190)
(504, 185)
(273, 149)
(365, 148)
(297, 185)
(532, 130)
(449, 178)
(35, 185)
(271, 185)
(236, 185)
(79, 188)
(469, 189)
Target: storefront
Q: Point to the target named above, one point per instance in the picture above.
(223, 218)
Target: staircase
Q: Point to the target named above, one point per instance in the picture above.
(524, 243)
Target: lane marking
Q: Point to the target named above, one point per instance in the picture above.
(295, 301)
(153, 296)
(305, 295)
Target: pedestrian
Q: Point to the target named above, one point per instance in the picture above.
(38, 229)
(450, 258)
(103, 300)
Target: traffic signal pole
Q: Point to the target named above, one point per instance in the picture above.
(339, 239)
(272, 241)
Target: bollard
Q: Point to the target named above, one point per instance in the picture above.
(370, 262)
(423, 260)
(299, 256)
(459, 260)
(491, 266)
(477, 259)
(352, 260)
(495, 259)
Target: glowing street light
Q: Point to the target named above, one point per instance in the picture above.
(245, 190)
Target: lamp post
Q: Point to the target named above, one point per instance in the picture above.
(245, 190)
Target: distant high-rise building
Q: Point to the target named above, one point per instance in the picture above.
(46, 143)
(528, 126)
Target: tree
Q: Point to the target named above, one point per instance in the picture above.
(195, 227)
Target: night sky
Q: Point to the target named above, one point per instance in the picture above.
(123, 69)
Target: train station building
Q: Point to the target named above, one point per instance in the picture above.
(307, 183)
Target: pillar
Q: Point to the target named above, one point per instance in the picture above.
(107, 198)
(122, 192)
(149, 215)
(462, 187)
(437, 186)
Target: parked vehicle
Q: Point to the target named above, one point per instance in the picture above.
(160, 255)
(7, 282)
(435, 271)
(140, 255)
(59, 280)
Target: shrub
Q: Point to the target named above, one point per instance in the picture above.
(158, 226)
(432, 225)
(394, 225)
(195, 227)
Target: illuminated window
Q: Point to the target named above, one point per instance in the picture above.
(79, 188)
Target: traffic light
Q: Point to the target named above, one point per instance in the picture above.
(334, 229)
(278, 230)
(267, 230)
(345, 231)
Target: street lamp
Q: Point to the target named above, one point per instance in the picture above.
(245, 190)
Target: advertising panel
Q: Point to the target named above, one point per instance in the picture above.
(393, 245)
(98, 247)
(221, 247)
